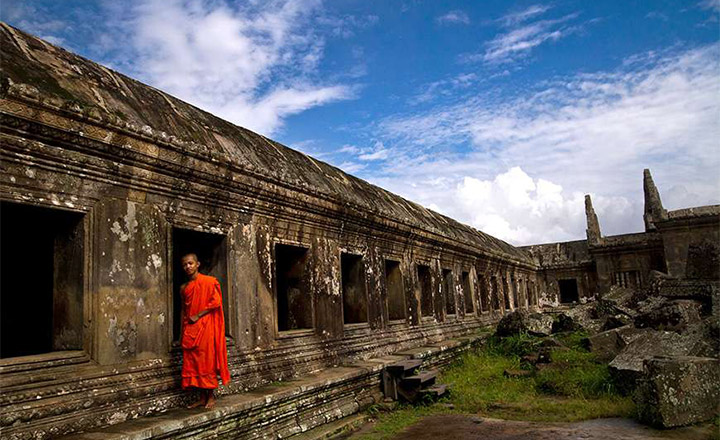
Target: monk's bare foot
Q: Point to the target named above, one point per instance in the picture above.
(210, 402)
(200, 402)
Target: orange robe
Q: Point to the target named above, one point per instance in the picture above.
(203, 342)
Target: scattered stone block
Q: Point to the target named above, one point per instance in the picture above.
(678, 391)
(564, 323)
(619, 300)
(627, 367)
(521, 321)
(608, 344)
(616, 321)
(675, 315)
(585, 317)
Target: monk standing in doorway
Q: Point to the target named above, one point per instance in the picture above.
(203, 333)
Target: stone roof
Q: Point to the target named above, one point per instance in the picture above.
(695, 212)
(560, 255)
(57, 78)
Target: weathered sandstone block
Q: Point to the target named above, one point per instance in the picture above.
(678, 391)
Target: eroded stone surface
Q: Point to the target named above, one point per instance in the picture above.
(678, 391)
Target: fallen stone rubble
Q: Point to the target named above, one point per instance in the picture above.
(662, 345)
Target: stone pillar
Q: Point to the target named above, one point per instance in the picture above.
(132, 317)
(325, 284)
(252, 284)
(412, 291)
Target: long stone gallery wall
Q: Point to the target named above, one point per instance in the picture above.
(107, 182)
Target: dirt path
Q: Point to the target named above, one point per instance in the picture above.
(459, 427)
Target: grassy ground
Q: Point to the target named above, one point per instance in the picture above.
(573, 387)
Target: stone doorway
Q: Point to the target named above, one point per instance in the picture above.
(211, 250)
(568, 291)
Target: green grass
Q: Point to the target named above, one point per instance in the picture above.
(573, 387)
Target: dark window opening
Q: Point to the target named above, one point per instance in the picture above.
(506, 293)
(211, 250)
(482, 282)
(41, 280)
(496, 294)
(468, 293)
(425, 285)
(449, 290)
(395, 291)
(568, 291)
(514, 294)
(353, 289)
(294, 301)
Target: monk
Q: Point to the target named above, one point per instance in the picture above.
(203, 334)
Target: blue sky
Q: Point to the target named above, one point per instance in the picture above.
(499, 114)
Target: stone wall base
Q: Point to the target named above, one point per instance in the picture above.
(283, 409)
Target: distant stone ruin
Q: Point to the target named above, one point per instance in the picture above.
(684, 244)
(107, 182)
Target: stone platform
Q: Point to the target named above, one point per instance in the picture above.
(282, 409)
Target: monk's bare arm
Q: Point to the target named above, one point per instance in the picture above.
(212, 306)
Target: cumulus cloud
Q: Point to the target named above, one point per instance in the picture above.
(587, 133)
(250, 64)
(516, 207)
(454, 17)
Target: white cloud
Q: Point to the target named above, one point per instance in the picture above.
(518, 17)
(252, 64)
(445, 87)
(519, 41)
(351, 167)
(516, 207)
(347, 148)
(454, 17)
(588, 133)
(378, 152)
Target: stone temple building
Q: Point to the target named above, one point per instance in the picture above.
(684, 244)
(106, 182)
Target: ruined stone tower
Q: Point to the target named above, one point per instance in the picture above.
(654, 210)
(593, 226)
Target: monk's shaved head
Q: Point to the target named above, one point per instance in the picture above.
(190, 265)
